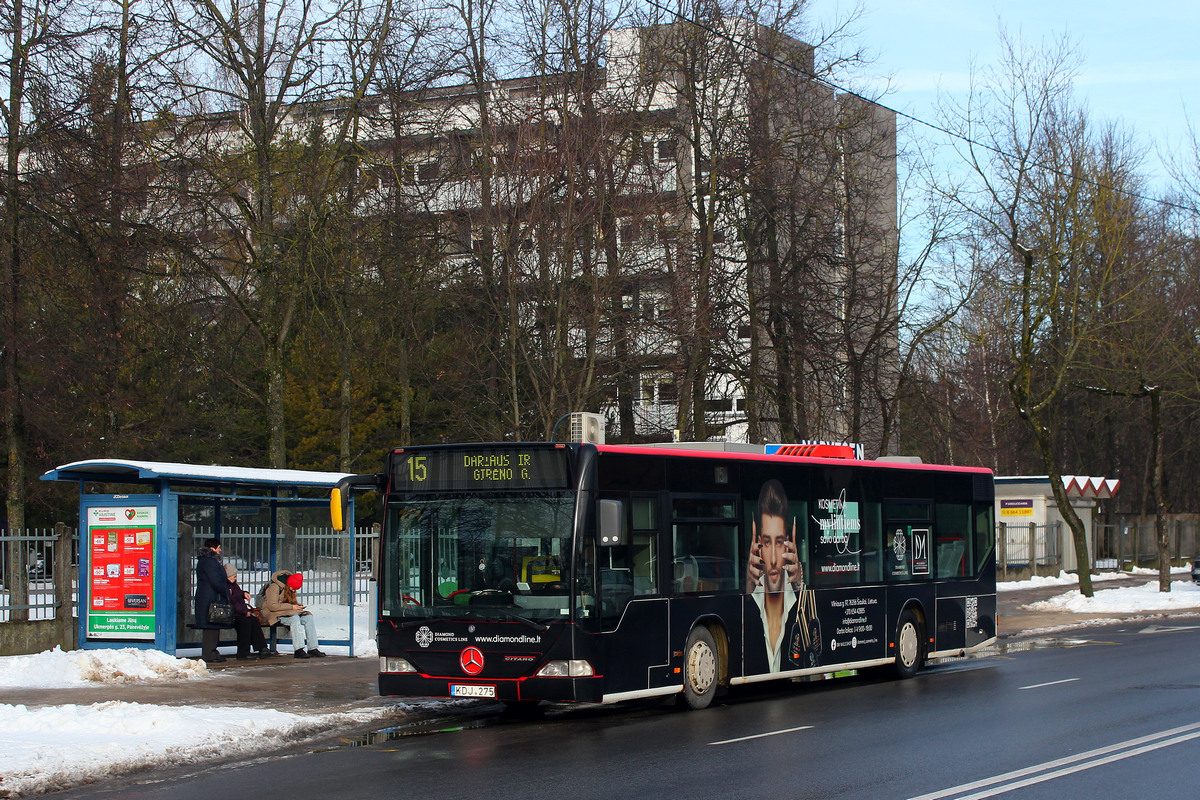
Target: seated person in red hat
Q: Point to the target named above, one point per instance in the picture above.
(279, 603)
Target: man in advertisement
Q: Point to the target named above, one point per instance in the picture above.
(775, 581)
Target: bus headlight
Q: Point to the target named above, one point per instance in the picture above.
(394, 664)
(575, 668)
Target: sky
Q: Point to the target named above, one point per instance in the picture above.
(1141, 60)
(55, 747)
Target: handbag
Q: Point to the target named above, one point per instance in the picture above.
(220, 613)
(256, 614)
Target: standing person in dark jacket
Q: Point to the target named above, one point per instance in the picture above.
(249, 629)
(211, 587)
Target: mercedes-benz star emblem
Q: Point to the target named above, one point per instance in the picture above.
(471, 661)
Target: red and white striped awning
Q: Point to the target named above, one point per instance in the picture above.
(1085, 486)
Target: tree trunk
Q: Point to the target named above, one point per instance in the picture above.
(14, 420)
(1083, 559)
(1160, 502)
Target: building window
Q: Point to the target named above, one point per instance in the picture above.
(425, 172)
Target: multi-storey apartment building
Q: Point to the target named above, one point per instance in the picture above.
(696, 237)
(717, 227)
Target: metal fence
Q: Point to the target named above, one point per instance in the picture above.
(27, 570)
(1027, 549)
(1123, 545)
(321, 554)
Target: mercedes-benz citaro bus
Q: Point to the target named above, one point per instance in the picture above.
(602, 573)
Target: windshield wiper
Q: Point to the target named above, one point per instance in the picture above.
(514, 615)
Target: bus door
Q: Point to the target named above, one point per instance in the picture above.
(909, 559)
(633, 612)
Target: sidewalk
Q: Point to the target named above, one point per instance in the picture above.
(1016, 621)
(308, 686)
(338, 683)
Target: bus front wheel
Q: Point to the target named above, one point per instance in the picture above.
(910, 645)
(701, 667)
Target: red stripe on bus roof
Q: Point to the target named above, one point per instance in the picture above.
(778, 459)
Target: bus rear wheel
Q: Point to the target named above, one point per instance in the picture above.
(701, 668)
(910, 645)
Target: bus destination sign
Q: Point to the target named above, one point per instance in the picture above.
(484, 468)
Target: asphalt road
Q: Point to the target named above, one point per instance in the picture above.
(1110, 712)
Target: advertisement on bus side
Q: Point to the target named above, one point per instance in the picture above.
(788, 624)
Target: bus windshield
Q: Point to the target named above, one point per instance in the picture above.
(482, 556)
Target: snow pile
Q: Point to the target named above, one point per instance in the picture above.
(55, 668)
(1125, 600)
(1186, 569)
(46, 749)
(1065, 578)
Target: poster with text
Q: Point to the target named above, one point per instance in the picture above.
(121, 548)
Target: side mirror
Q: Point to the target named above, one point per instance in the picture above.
(611, 514)
(339, 497)
(339, 505)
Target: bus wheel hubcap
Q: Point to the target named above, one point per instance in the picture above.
(701, 667)
(908, 645)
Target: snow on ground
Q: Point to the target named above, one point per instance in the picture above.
(53, 747)
(55, 668)
(1071, 579)
(44, 749)
(334, 623)
(1125, 600)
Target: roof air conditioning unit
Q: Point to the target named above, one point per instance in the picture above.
(587, 427)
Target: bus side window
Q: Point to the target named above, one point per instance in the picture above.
(644, 545)
(630, 570)
(952, 549)
(645, 564)
(985, 533)
(705, 558)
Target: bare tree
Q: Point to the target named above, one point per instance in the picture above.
(1031, 151)
(41, 43)
(265, 69)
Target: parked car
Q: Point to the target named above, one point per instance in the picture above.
(36, 568)
(1196, 570)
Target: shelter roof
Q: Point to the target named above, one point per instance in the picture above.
(104, 470)
(1076, 485)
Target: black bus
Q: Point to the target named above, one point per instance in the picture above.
(602, 573)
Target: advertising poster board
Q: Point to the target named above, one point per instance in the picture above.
(122, 544)
(1016, 508)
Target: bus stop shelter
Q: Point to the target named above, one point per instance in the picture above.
(141, 523)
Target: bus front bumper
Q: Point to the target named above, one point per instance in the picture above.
(556, 690)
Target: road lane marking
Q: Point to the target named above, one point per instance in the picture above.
(1049, 776)
(1170, 629)
(762, 735)
(1051, 683)
(1068, 764)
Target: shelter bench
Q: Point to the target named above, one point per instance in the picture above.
(272, 639)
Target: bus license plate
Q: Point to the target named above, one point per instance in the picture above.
(461, 690)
